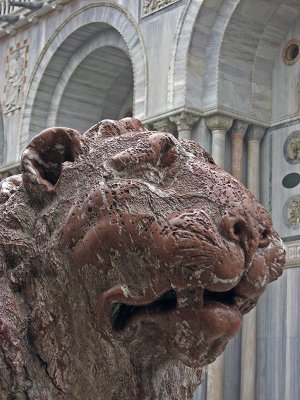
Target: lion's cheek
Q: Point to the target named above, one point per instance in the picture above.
(228, 268)
(89, 251)
(255, 278)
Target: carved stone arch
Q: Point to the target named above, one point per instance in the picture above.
(104, 40)
(194, 65)
(245, 68)
(204, 64)
(224, 53)
(178, 65)
(82, 25)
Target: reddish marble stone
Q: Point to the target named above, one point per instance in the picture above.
(128, 259)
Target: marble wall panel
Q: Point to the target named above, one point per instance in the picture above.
(157, 31)
(281, 196)
(271, 342)
(292, 387)
(202, 135)
(232, 370)
(286, 82)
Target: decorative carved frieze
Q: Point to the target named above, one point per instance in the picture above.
(15, 79)
(151, 6)
(292, 253)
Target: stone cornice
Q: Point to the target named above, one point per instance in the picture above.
(207, 113)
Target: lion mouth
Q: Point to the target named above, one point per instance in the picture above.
(122, 314)
(227, 298)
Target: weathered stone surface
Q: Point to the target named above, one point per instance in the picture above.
(127, 261)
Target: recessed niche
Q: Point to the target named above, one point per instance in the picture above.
(291, 148)
(291, 52)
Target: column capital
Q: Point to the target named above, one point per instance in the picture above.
(239, 127)
(218, 122)
(163, 125)
(185, 120)
(255, 132)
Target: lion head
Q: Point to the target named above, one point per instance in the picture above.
(129, 259)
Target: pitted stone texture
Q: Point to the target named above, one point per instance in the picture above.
(127, 261)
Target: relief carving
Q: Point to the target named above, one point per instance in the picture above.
(291, 212)
(292, 253)
(294, 212)
(291, 148)
(151, 6)
(294, 148)
(15, 80)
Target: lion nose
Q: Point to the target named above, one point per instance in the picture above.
(250, 236)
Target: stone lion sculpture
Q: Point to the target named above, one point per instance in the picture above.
(127, 261)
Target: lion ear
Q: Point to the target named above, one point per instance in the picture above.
(42, 160)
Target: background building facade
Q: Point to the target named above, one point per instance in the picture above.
(225, 73)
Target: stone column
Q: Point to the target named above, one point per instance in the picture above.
(254, 136)
(184, 121)
(215, 373)
(238, 131)
(163, 125)
(248, 350)
(248, 357)
(218, 125)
